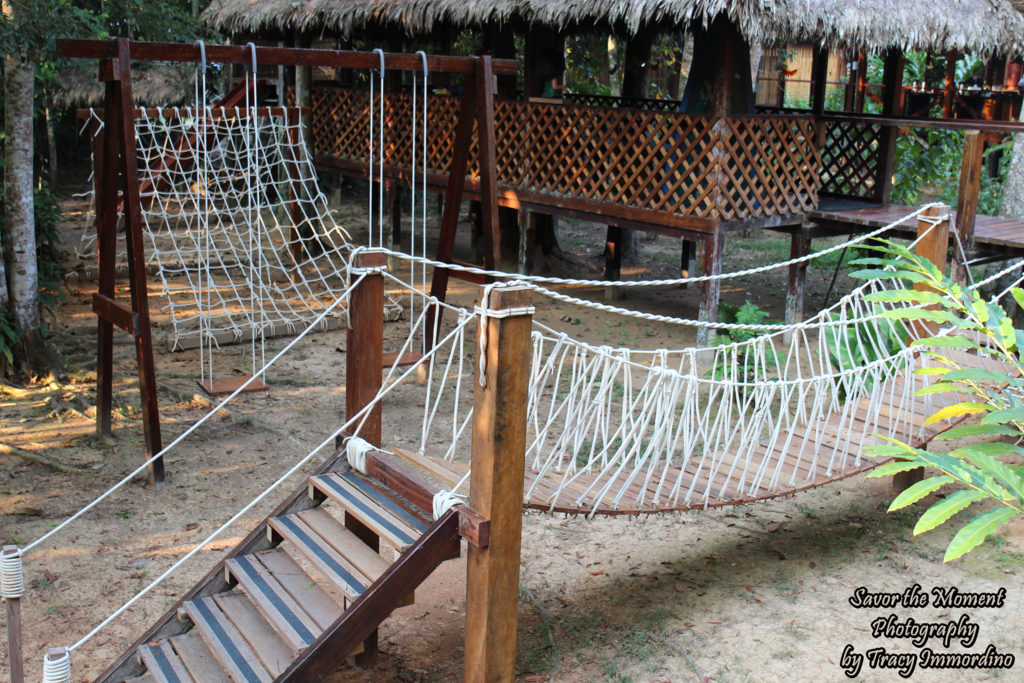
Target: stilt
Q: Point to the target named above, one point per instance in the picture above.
(496, 490)
(613, 261)
(686, 261)
(527, 242)
(800, 245)
(967, 204)
(711, 264)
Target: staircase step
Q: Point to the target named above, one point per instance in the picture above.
(141, 679)
(286, 615)
(314, 599)
(198, 659)
(374, 509)
(163, 663)
(319, 552)
(369, 563)
(261, 636)
(226, 643)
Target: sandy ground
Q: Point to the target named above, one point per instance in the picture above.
(759, 592)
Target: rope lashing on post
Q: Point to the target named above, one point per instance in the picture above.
(445, 500)
(485, 312)
(356, 449)
(12, 574)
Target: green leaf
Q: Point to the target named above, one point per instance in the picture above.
(946, 508)
(922, 297)
(938, 388)
(977, 375)
(919, 491)
(1004, 415)
(947, 341)
(931, 370)
(909, 313)
(989, 448)
(889, 469)
(977, 430)
(956, 410)
(1018, 295)
(976, 531)
(1001, 472)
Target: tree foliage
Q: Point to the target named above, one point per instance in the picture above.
(981, 473)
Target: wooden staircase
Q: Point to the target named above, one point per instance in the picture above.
(305, 588)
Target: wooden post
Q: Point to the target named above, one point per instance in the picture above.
(496, 491)
(800, 245)
(106, 172)
(967, 203)
(364, 350)
(14, 646)
(892, 106)
(949, 87)
(613, 260)
(686, 260)
(711, 264)
(819, 78)
(933, 246)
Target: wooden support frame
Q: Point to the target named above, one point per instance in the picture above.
(117, 169)
(496, 489)
(892, 105)
(477, 105)
(800, 245)
(710, 292)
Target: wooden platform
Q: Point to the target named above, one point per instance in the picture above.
(992, 234)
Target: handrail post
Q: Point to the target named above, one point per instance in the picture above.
(498, 468)
(932, 244)
(364, 351)
(967, 204)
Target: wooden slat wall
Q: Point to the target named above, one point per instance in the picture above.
(658, 161)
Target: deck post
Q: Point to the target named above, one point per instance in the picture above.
(892, 106)
(710, 264)
(12, 596)
(686, 262)
(613, 260)
(949, 86)
(496, 490)
(819, 81)
(364, 350)
(933, 246)
(967, 203)
(800, 245)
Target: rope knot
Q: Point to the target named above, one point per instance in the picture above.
(444, 501)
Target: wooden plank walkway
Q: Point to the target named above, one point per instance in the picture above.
(992, 234)
(829, 438)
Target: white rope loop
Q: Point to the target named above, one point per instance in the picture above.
(57, 666)
(355, 452)
(445, 501)
(12, 574)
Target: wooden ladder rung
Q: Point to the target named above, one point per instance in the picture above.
(384, 516)
(198, 659)
(282, 611)
(369, 563)
(266, 642)
(226, 643)
(335, 567)
(163, 663)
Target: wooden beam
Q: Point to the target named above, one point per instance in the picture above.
(496, 490)
(487, 146)
(711, 264)
(227, 54)
(933, 244)
(949, 87)
(800, 245)
(967, 203)
(15, 658)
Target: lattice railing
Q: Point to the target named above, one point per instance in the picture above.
(660, 162)
(851, 158)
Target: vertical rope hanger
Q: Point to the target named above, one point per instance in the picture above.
(201, 197)
(255, 219)
(369, 174)
(422, 190)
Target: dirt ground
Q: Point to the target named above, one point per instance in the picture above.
(753, 593)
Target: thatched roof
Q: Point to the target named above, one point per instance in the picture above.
(936, 25)
(153, 84)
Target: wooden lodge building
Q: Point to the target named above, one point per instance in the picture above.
(702, 169)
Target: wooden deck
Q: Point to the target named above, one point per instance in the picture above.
(992, 235)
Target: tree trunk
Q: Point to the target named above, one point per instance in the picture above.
(1012, 205)
(20, 233)
(51, 143)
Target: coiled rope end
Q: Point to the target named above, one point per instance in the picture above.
(355, 452)
(12, 576)
(57, 665)
(444, 501)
